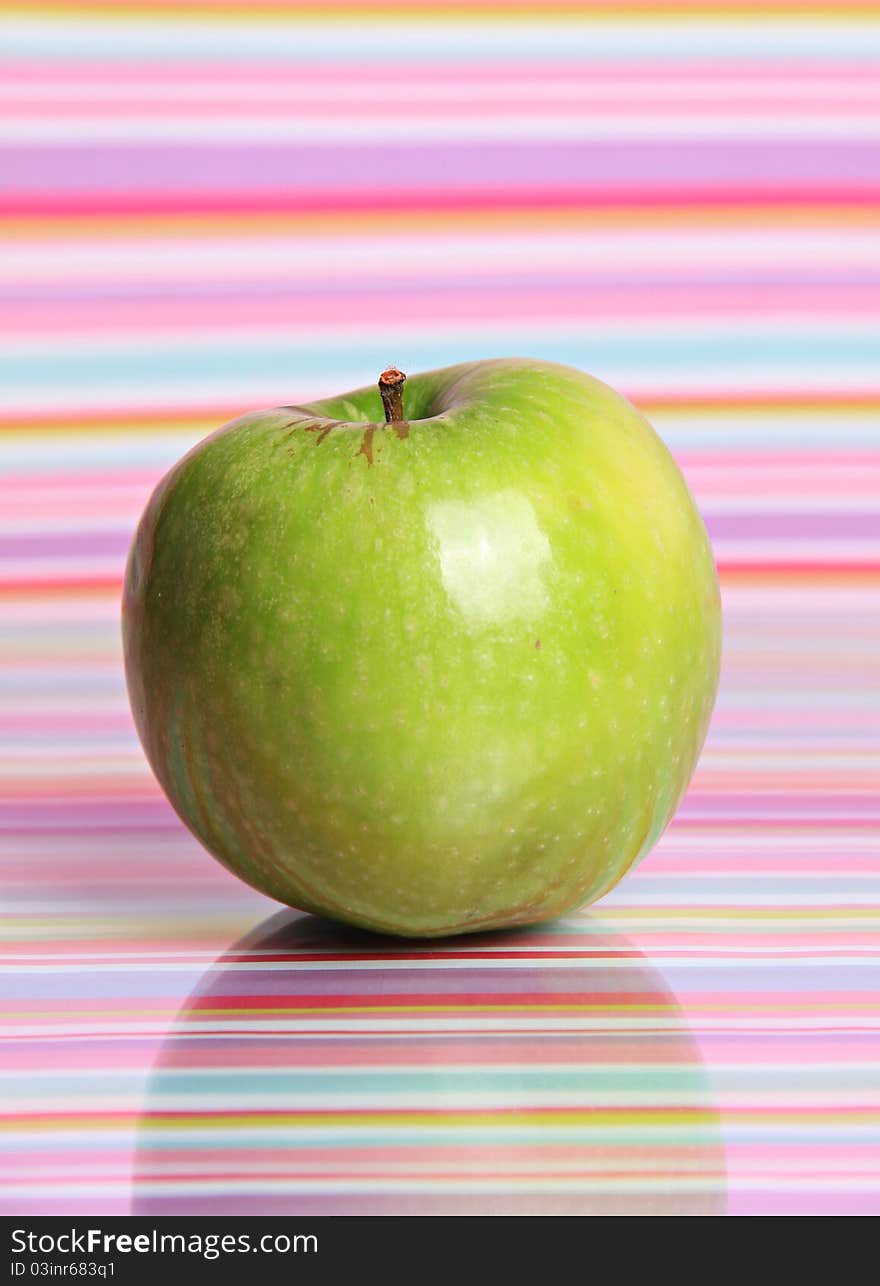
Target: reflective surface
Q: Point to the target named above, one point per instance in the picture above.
(318, 1069)
(707, 1039)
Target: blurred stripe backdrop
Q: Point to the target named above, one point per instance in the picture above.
(207, 207)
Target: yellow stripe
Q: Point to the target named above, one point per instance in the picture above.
(385, 223)
(157, 1122)
(399, 10)
(326, 12)
(632, 1117)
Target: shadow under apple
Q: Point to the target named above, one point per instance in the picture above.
(321, 1070)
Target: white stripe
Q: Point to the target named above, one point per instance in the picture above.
(376, 258)
(402, 88)
(315, 43)
(852, 1018)
(783, 1069)
(585, 1098)
(312, 131)
(476, 1185)
(641, 332)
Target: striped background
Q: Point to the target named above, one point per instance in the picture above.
(210, 207)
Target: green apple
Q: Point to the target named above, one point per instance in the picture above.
(430, 675)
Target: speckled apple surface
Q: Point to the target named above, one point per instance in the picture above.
(434, 676)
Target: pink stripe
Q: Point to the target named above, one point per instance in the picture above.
(857, 195)
(612, 71)
(482, 301)
(765, 1200)
(121, 1052)
(319, 102)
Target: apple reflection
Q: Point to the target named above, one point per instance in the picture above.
(321, 1070)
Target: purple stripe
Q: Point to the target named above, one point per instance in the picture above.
(794, 526)
(292, 167)
(527, 278)
(66, 544)
(288, 985)
(577, 981)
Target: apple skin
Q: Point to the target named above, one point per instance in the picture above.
(430, 677)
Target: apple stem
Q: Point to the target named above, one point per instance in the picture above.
(391, 384)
